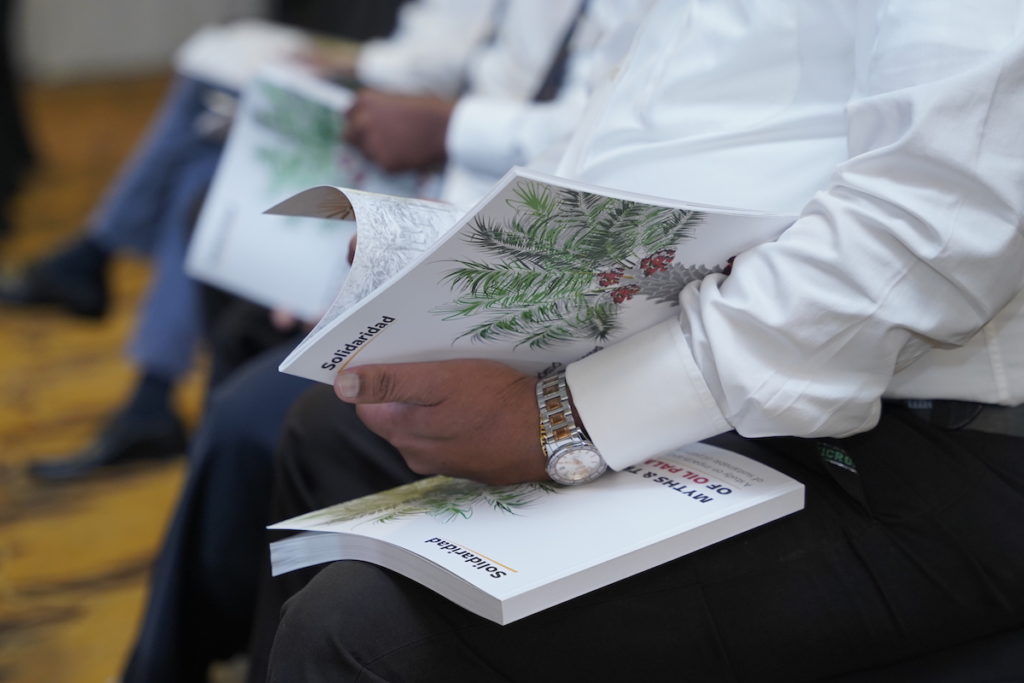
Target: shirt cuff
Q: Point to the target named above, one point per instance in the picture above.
(382, 67)
(644, 396)
(480, 134)
(372, 62)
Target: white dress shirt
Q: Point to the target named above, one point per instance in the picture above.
(429, 50)
(496, 124)
(504, 74)
(893, 130)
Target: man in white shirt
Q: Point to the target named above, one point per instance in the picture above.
(513, 108)
(413, 61)
(891, 130)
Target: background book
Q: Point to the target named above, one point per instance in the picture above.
(231, 54)
(286, 135)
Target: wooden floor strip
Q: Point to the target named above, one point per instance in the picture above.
(74, 558)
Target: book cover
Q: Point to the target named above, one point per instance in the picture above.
(542, 271)
(286, 135)
(505, 552)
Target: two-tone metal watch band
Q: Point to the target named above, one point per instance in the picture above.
(557, 424)
(571, 457)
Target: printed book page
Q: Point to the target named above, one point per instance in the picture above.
(507, 551)
(392, 232)
(543, 271)
(287, 135)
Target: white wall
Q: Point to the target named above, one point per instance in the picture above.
(59, 40)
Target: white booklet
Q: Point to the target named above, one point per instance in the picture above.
(231, 54)
(286, 135)
(505, 552)
(542, 271)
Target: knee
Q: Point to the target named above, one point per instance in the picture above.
(316, 423)
(225, 434)
(315, 412)
(306, 616)
(322, 625)
(247, 408)
(225, 417)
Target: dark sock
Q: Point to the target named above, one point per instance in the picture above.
(82, 263)
(73, 278)
(85, 256)
(93, 251)
(152, 398)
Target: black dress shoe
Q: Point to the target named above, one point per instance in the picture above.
(124, 440)
(73, 279)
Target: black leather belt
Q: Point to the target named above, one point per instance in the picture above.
(979, 417)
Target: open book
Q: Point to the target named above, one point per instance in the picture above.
(541, 271)
(505, 552)
(285, 136)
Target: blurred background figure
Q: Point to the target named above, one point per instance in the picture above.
(75, 557)
(15, 144)
(149, 210)
(525, 88)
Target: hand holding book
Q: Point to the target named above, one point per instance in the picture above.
(444, 416)
(438, 333)
(399, 132)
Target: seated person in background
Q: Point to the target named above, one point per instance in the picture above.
(892, 131)
(203, 587)
(150, 209)
(506, 116)
(16, 149)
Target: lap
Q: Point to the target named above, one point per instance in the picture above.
(912, 552)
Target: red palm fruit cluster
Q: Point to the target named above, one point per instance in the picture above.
(624, 293)
(609, 278)
(658, 262)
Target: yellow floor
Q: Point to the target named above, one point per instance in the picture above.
(74, 558)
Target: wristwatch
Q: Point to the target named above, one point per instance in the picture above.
(572, 458)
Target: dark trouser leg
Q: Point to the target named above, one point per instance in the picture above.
(326, 456)
(204, 584)
(918, 551)
(238, 330)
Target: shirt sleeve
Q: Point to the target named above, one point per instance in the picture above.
(430, 48)
(914, 244)
(490, 135)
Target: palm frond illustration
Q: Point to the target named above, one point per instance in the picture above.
(442, 498)
(306, 137)
(560, 267)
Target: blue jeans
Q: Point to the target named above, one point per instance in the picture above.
(150, 208)
(133, 210)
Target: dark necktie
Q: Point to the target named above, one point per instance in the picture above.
(555, 75)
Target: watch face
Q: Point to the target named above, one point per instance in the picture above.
(575, 464)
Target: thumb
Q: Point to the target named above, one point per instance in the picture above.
(390, 383)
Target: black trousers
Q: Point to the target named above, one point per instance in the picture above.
(917, 550)
(204, 584)
(326, 455)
